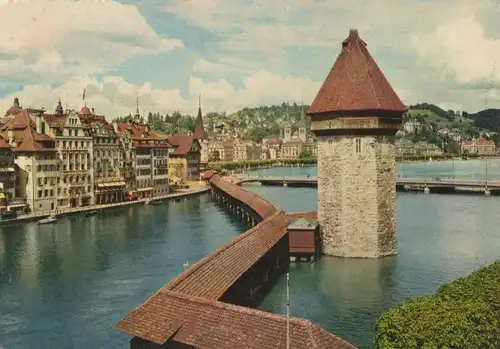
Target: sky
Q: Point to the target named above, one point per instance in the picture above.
(240, 53)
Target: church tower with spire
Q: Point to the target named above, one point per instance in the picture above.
(355, 117)
(302, 125)
(201, 135)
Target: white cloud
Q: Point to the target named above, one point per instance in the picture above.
(113, 96)
(260, 88)
(54, 40)
(464, 51)
(440, 64)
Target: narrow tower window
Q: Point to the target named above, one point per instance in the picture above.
(358, 145)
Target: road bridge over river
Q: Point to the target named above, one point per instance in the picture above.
(435, 185)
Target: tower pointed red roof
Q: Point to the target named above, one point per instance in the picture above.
(355, 83)
(199, 130)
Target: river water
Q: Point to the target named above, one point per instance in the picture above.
(440, 238)
(65, 286)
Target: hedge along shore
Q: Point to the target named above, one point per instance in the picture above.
(24, 218)
(254, 164)
(462, 314)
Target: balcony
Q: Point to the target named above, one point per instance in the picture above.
(44, 174)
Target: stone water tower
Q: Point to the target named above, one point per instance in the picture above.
(355, 116)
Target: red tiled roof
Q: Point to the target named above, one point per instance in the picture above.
(273, 141)
(290, 216)
(208, 174)
(55, 121)
(25, 136)
(213, 276)
(13, 111)
(182, 143)
(355, 83)
(142, 136)
(4, 144)
(186, 310)
(208, 324)
(199, 130)
(85, 110)
(261, 206)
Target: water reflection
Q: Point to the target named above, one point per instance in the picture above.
(65, 285)
(470, 169)
(440, 238)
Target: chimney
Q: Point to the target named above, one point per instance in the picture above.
(115, 125)
(92, 110)
(10, 135)
(39, 124)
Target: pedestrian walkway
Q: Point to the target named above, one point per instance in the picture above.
(74, 210)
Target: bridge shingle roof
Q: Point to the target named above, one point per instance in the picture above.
(173, 316)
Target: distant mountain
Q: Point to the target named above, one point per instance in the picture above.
(449, 115)
(488, 119)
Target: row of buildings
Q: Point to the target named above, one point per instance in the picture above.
(479, 146)
(73, 158)
(293, 142)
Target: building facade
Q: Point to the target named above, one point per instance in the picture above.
(7, 173)
(479, 146)
(75, 150)
(151, 154)
(36, 159)
(109, 183)
(355, 116)
(184, 162)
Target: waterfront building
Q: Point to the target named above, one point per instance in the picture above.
(228, 150)
(412, 125)
(150, 151)
(7, 173)
(216, 150)
(109, 184)
(479, 146)
(36, 159)
(75, 150)
(295, 143)
(355, 116)
(405, 147)
(272, 147)
(202, 137)
(129, 162)
(184, 160)
(246, 150)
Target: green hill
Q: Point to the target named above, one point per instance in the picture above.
(429, 113)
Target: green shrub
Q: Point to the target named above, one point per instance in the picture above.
(464, 314)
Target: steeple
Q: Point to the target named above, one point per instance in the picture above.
(199, 130)
(59, 108)
(137, 115)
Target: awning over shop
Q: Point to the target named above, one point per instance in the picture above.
(17, 205)
(144, 189)
(110, 184)
(7, 169)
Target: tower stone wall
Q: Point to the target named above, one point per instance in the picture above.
(357, 195)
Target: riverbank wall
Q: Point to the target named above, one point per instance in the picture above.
(209, 304)
(25, 218)
(263, 164)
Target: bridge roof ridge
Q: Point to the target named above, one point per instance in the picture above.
(220, 324)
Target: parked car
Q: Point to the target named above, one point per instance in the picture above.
(8, 215)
